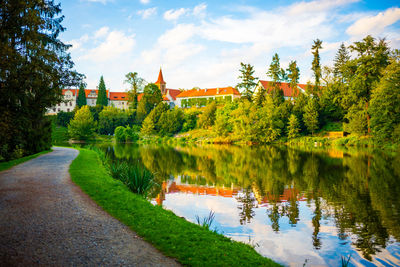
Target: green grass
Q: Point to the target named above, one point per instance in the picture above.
(189, 243)
(8, 164)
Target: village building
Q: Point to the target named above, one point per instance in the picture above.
(200, 97)
(288, 92)
(173, 97)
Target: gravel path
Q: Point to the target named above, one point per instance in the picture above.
(45, 219)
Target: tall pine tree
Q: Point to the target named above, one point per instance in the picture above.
(277, 75)
(293, 74)
(102, 93)
(248, 81)
(34, 68)
(341, 58)
(81, 99)
(316, 64)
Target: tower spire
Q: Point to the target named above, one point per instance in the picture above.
(160, 82)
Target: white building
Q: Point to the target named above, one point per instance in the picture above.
(200, 97)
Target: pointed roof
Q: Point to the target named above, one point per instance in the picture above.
(160, 79)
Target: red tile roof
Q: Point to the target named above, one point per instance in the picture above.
(287, 91)
(209, 92)
(174, 93)
(160, 79)
(118, 96)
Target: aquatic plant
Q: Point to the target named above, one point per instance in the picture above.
(345, 262)
(139, 179)
(207, 221)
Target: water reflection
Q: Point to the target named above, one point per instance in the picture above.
(296, 205)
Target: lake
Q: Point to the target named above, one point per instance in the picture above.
(314, 207)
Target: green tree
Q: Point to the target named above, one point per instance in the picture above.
(293, 127)
(136, 84)
(110, 118)
(81, 99)
(34, 68)
(207, 118)
(310, 116)
(293, 74)
(82, 127)
(316, 64)
(102, 94)
(277, 74)
(248, 81)
(150, 122)
(170, 122)
(259, 96)
(340, 61)
(385, 102)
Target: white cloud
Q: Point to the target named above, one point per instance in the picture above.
(115, 44)
(101, 32)
(200, 10)
(174, 14)
(317, 6)
(146, 13)
(77, 43)
(144, 1)
(374, 25)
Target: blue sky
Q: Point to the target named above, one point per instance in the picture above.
(201, 43)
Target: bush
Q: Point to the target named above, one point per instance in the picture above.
(127, 134)
(82, 127)
(64, 118)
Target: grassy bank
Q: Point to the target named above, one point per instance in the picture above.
(190, 244)
(8, 164)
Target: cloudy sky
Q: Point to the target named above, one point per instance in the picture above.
(201, 43)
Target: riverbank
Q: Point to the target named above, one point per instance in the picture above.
(190, 244)
(8, 164)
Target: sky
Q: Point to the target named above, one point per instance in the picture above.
(202, 43)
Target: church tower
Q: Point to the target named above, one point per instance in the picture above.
(161, 83)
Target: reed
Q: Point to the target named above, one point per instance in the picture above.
(207, 221)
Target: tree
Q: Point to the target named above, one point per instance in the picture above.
(259, 96)
(170, 122)
(293, 127)
(110, 118)
(207, 118)
(82, 127)
(385, 103)
(81, 99)
(310, 116)
(340, 61)
(248, 81)
(34, 68)
(102, 93)
(316, 64)
(150, 122)
(277, 75)
(136, 86)
(293, 74)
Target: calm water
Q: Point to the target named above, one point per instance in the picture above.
(294, 206)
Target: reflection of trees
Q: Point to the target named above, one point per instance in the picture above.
(362, 189)
(248, 202)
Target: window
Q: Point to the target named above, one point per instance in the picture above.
(58, 110)
(67, 109)
(54, 109)
(70, 104)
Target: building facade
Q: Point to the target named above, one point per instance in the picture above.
(200, 97)
(288, 92)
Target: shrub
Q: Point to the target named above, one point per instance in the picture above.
(64, 118)
(82, 127)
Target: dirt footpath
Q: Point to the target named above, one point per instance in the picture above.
(45, 219)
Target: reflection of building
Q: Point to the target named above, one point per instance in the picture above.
(176, 187)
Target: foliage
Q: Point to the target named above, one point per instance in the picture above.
(82, 127)
(190, 119)
(207, 221)
(34, 68)
(223, 122)
(293, 75)
(316, 64)
(385, 103)
(293, 127)
(150, 123)
(259, 96)
(81, 99)
(102, 94)
(96, 110)
(137, 84)
(110, 118)
(207, 118)
(357, 119)
(248, 81)
(340, 61)
(127, 134)
(310, 116)
(170, 122)
(63, 118)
